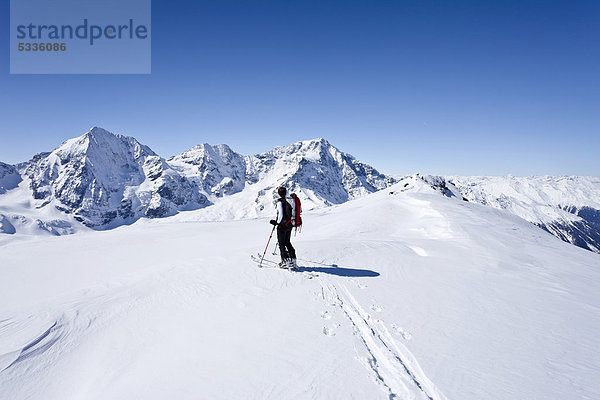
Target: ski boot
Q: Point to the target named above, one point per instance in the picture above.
(293, 264)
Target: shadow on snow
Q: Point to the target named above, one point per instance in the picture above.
(339, 271)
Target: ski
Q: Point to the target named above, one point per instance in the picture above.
(269, 263)
(265, 262)
(272, 262)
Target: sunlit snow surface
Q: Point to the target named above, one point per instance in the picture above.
(401, 294)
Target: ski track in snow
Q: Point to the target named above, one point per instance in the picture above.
(394, 367)
(33, 342)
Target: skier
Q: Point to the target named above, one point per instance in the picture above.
(284, 230)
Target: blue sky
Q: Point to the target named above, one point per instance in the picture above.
(472, 87)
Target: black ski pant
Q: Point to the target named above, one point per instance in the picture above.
(284, 234)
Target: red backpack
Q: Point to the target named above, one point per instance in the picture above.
(296, 211)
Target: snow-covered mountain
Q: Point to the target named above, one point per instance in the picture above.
(317, 168)
(103, 180)
(422, 296)
(319, 173)
(566, 206)
(215, 170)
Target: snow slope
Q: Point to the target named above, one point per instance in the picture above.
(422, 297)
(22, 216)
(566, 206)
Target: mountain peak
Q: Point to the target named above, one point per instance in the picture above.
(99, 140)
(97, 132)
(97, 129)
(317, 140)
(314, 144)
(200, 152)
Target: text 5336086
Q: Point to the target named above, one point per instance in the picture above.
(42, 46)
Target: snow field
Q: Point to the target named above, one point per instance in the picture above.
(419, 297)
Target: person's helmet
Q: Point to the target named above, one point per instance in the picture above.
(281, 191)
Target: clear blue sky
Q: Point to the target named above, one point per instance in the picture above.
(471, 87)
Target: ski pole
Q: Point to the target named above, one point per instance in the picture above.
(275, 249)
(269, 241)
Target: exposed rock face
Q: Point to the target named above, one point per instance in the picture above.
(9, 177)
(6, 226)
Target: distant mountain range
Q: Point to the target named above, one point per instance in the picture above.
(101, 180)
(566, 206)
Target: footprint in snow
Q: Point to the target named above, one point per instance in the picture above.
(376, 308)
(325, 315)
(359, 284)
(328, 331)
(400, 331)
